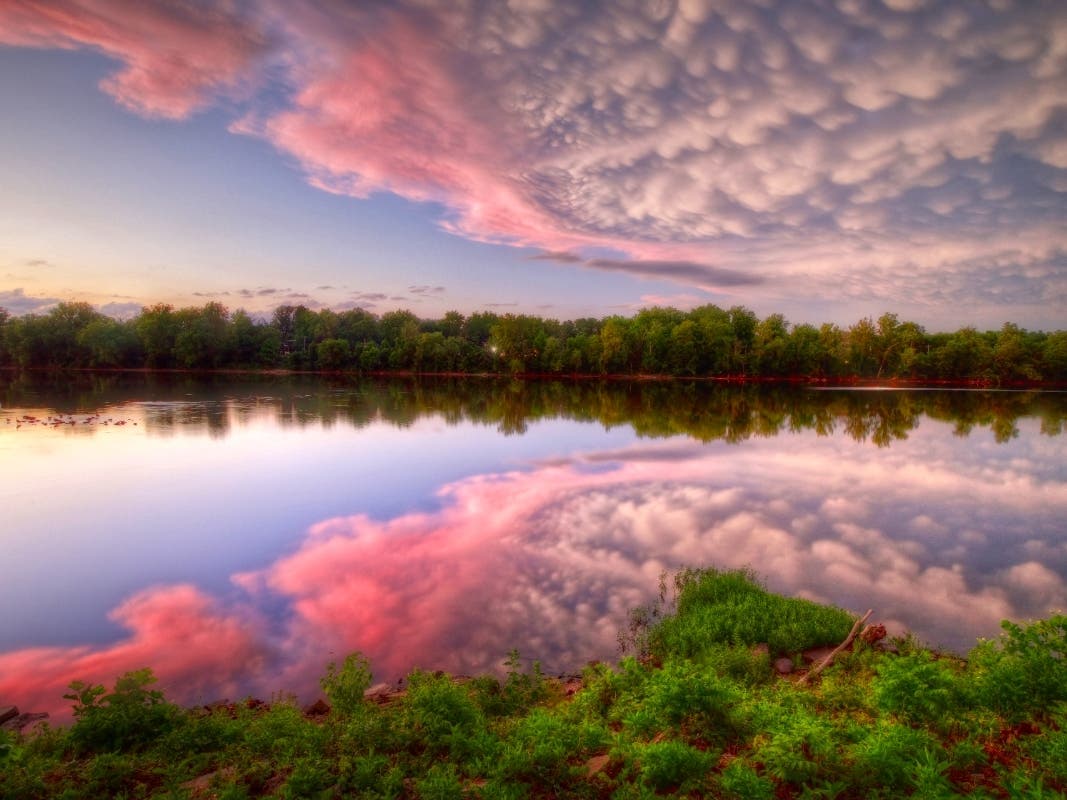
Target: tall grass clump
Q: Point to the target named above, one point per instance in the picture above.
(714, 607)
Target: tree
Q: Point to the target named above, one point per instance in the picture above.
(157, 328)
(333, 354)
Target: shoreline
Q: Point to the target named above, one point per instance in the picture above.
(822, 382)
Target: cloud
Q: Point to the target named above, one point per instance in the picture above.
(17, 302)
(175, 57)
(126, 310)
(942, 543)
(221, 649)
(558, 257)
(683, 271)
(40, 263)
(426, 289)
(780, 150)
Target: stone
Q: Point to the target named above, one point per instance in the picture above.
(762, 649)
(320, 708)
(596, 764)
(783, 666)
(8, 712)
(23, 721)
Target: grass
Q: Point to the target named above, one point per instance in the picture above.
(694, 711)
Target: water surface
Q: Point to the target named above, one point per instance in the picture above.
(236, 533)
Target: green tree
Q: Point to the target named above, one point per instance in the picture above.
(157, 328)
(333, 354)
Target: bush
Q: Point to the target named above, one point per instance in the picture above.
(344, 687)
(887, 755)
(800, 748)
(442, 717)
(440, 783)
(917, 688)
(739, 780)
(541, 747)
(129, 717)
(669, 765)
(683, 694)
(1025, 671)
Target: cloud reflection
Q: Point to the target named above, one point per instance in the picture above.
(937, 539)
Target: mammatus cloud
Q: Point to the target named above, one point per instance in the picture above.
(909, 155)
(561, 551)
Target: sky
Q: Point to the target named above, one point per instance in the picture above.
(827, 160)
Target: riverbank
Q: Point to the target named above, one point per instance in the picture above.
(794, 380)
(703, 704)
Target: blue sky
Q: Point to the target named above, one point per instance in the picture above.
(824, 160)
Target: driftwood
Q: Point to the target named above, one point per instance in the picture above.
(816, 669)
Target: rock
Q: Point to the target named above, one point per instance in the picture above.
(199, 785)
(783, 666)
(888, 647)
(8, 712)
(23, 721)
(596, 764)
(762, 649)
(378, 691)
(320, 708)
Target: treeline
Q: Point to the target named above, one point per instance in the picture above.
(707, 341)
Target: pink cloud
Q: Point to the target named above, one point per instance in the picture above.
(381, 107)
(198, 650)
(175, 57)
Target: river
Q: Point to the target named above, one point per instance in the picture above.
(235, 533)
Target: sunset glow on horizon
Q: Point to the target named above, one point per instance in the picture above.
(827, 161)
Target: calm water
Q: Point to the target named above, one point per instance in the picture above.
(236, 534)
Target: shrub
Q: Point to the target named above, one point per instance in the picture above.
(800, 749)
(129, 717)
(1026, 670)
(310, 778)
(440, 783)
(540, 748)
(344, 687)
(887, 755)
(441, 716)
(682, 693)
(916, 687)
(668, 765)
(739, 780)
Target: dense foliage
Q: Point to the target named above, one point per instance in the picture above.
(689, 716)
(707, 341)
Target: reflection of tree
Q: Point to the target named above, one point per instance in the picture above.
(708, 412)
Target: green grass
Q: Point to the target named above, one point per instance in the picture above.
(695, 713)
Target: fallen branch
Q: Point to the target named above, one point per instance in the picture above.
(830, 658)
